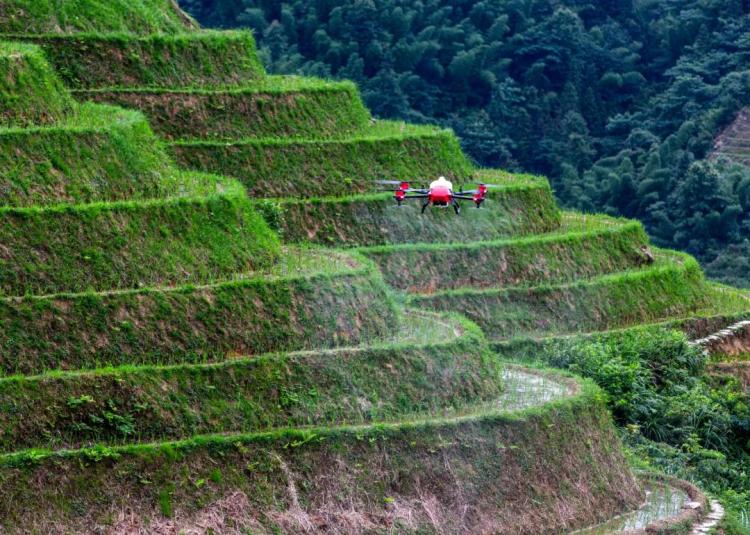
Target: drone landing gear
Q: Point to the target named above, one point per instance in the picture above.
(456, 207)
(425, 205)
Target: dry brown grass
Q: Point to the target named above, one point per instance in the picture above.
(230, 515)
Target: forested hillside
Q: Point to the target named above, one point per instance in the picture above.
(618, 102)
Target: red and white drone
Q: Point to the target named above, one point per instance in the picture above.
(439, 194)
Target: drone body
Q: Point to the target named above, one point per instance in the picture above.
(440, 194)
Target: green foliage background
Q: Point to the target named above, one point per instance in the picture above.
(618, 102)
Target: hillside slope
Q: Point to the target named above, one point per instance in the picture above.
(249, 382)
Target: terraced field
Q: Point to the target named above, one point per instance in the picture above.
(281, 351)
(734, 142)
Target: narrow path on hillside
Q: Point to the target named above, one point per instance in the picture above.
(713, 519)
(724, 335)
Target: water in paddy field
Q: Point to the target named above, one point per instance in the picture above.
(662, 502)
(524, 389)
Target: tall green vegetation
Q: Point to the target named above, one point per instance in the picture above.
(617, 101)
(675, 417)
(29, 94)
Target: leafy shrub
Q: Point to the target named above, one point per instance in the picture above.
(676, 418)
(654, 380)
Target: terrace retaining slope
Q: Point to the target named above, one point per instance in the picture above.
(731, 341)
(667, 289)
(279, 167)
(196, 59)
(129, 16)
(411, 476)
(272, 107)
(293, 307)
(582, 248)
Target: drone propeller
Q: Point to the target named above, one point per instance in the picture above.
(487, 187)
(480, 185)
(398, 183)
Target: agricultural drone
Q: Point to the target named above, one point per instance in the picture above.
(440, 194)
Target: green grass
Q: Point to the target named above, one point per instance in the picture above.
(99, 154)
(585, 246)
(717, 312)
(279, 167)
(735, 524)
(476, 459)
(272, 107)
(119, 405)
(70, 16)
(206, 229)
(30, 93)
(523, 205)
(196, 59)
(674, 286)
(725, 301)
(287, 308)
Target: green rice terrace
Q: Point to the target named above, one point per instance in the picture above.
(212, 322)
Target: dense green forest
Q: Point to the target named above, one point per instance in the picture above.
(617, 101)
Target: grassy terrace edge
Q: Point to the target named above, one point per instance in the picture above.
(65, 162)
(694, 325)
(442, 455)
(673, 286)
(276, 106)
(381, 382)
(132, 16)
(196, 59)
(585, 246)
(210, 232)
(346, 304)
(319, 167)
(523, 205)
(29, 91)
